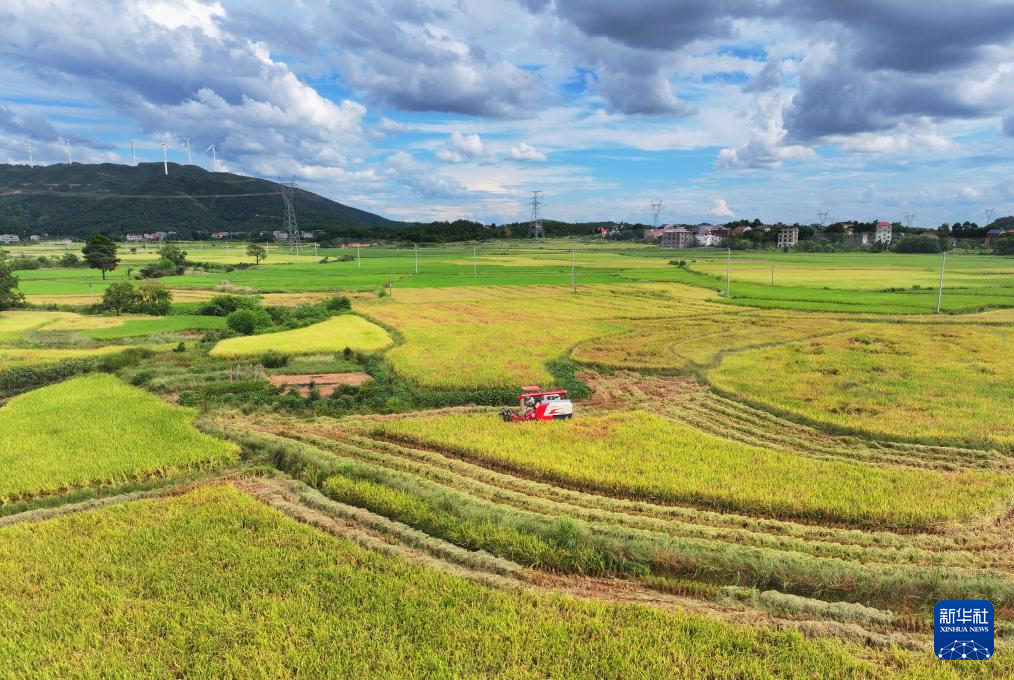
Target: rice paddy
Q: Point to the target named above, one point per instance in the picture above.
(333, 335)
(213, 583)
(643, 456)
(780, 483)
(70, 434)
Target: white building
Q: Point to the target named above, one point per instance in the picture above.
(883, 233)
(677, 238)
(788, 237)
(10, 238)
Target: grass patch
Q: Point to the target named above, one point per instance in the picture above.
(333, 335)
(96, 429)
(163, 324)
(644, 456)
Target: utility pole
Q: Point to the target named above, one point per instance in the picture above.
(728, 266)
(573, 272)
(416, 249)
(475, 261)
(772, 276)
(940, 290)
(359, 260)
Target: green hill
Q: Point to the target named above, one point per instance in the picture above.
(80, 199)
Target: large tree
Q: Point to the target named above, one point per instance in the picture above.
(100, 253)
(10, 296)
(257, 252)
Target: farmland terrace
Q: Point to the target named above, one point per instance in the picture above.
(781, 482)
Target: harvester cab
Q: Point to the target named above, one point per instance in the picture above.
(536, 404)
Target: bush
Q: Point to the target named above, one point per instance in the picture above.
(180, 348)
(25, 263)
(1005, 245)
(339, 303)
(120, 298)
(224, 305)
(273, 359)
(248, 321)
(919, 244)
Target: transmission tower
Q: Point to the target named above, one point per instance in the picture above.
(290, 227)
(535, 229)
(822, 217)
(656, 209)
(908, 219)
(989, 216)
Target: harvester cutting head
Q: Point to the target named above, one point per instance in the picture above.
(537, 404)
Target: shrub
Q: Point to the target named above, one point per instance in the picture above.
(224, 305)
(120, 298)
(339, 303)
(180, 348)
(274, 359)
(248, 321)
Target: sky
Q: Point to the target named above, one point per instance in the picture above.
(444, 109)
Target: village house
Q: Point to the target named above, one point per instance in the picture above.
(677, 238)
(788, 237)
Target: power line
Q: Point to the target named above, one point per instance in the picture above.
(84, 194)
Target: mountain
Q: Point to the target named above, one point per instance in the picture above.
(80, 199)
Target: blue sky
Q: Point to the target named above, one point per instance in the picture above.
(433, 109)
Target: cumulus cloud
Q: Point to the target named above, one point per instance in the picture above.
(421, 178)
(420, 66)
(175, 71)
(767, 147)
(461, 148)
(525, 152)
(721, 209)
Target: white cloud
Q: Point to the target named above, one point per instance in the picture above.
(721, 209)
(525, 152)
(461, 148)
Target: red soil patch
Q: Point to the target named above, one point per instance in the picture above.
(325, 382)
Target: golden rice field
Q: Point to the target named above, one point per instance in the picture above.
(96, 430)
(40, 357)
(926, 382)
(467, 337)
(214, 584)
(641, 455)
(333, 335)
(675, 344)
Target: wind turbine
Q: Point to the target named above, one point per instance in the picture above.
(188, 151)
(214, 158)
(31, 164)
(133, 156)
(165, 159)
(70, 157)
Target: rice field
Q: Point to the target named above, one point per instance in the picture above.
(640, 455)
(467, 337)
(139, 326)
(213, 584)
(41, 357)
(944, 384)
(96, 430)
(333, 335)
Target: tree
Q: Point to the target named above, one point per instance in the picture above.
(257, 252)
(100, 253)
(70, 260)
(247, 321)
(10, 296)
(1004, 246)
(155, 298)
(175, 254)
(120, 297)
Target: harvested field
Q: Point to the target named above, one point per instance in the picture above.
(326, 383)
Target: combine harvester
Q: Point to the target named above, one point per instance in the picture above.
(539, 405)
